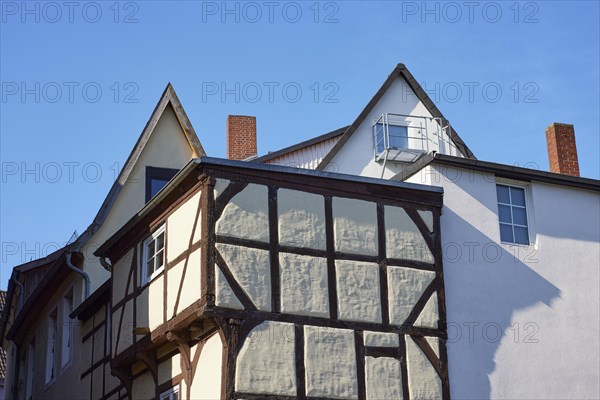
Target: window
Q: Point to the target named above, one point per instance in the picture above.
(171, 394)
(512, 213)
(397, 137)
(156, 179)
(51, 346)
(30, 369)
(67, 331)
(154, 255)
(108, 332)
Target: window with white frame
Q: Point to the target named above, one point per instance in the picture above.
(153, 249)
(51, 346)
(512, 214)
(396, 137)
(171, 394)
(66, 348)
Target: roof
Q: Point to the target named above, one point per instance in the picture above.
(399, 71)
(500, 170)
(298, 146)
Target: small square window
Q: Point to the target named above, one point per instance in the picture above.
(395, 138)
(156, 179)
(512, 214)
(153, 261)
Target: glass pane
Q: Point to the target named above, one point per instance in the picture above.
(517, 196)
(502, 193)
(156, 184)
(519, 215)
(160, 241)
(175, 395)
(504, 213)
(521, 235)
(378, 137)
(149, 267)
(506, 234)
(159, 259)
(150, 248)
(398, 136)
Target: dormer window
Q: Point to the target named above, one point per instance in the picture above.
(156, 179)
(399, 138)
(395, 137)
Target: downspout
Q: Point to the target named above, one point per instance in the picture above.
(105, 264)
(81, 272)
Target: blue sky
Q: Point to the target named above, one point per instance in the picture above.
(79, 82)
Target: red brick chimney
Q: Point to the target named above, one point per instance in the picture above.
(562, 152)
(241, 137)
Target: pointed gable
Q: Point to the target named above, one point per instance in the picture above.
(400, 94)
(168, 142)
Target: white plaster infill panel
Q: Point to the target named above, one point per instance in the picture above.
(403, 238)
(301, 219)
(428, 318)
(423, 380)
(251, 268)
(180, 224)
(405, 287)
(247, 215)
(266, 361)
(330, 362)
(207, 379)
(220, 186)
(224, 295)
(304, 285)
(358, 292)
(383, 378)
(355, 226)
(381, 339)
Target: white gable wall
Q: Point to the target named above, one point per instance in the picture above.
(167, 147)
(356, 156)
(522, 320)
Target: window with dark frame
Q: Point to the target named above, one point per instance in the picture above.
(512, 214)
(156, 179)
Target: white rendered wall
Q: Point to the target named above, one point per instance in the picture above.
(357, 157)
(522, 320)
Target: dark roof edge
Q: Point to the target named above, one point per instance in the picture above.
(422, 96)
(503, 171)
(317, 139)
(92, 304)
(30, 301)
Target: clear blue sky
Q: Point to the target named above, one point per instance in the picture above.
(80, 81)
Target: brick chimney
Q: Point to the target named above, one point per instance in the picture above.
(562, 152)
(241, 137)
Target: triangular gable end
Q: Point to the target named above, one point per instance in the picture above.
(169, 141)
(168, 98)
(399, 72)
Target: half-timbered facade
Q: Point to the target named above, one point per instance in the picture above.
(298, 285)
